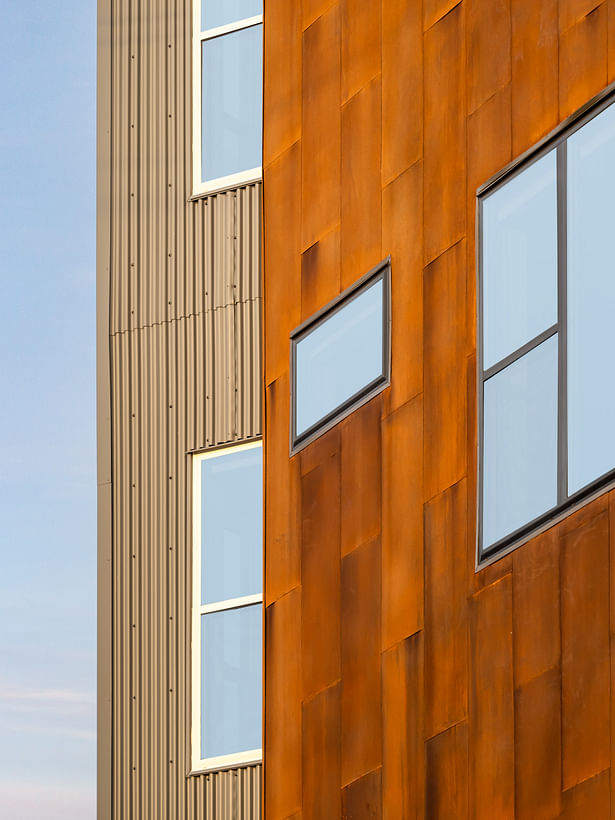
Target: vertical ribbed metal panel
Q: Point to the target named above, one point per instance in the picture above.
(184, 320)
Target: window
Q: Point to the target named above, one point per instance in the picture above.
(227, 607)
(546, 307)
(341, 357)
(228, 93)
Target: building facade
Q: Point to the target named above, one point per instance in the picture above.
(438, 600)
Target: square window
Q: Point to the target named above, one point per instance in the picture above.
(546, 299)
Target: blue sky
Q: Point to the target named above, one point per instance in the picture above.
(47, 410)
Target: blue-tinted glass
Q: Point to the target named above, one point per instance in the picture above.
(339, 357)
(591, 301)
(231, 681)
(216, 13)
(232, 103)
(520, 442)
(231, 525)
(520, 260)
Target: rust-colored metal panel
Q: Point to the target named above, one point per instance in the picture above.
(585, 651)
(538, 755)
(362, 800)
(536, 608)
(402, 239)
(282, 498)
(361, 730)
(489, 33)
(403, 751)
(313, 9)
(321, 141)
(491, 723)
(489, 150)
(361, 42)
(446, 788)
(444, 311)
(434, 10)
(534, 104)
(571, 11)
(320, 575)
(283, 687)
(282, 289)
(611, 40)
(321, 755)
(361, 233)
(361, 463)
(444, 133)
(446, 620)
(282, 77)
(402, 87)
(583, 67)
(402, 523)
(591, 798)
(320, 273)
(470, 661)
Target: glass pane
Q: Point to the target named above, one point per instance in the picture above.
(520, 260)
(340, 357)
(231, 681)
(231, 525)
(232, 103)
(591, 301)
(520, 442)
(216, 13)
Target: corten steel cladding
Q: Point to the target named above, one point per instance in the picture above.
(401, 682)
(179, 316)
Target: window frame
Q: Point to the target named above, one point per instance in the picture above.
(566, 503)
(381, 271)
(252, 756)
(200, 188)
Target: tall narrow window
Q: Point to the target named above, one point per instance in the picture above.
(228, 93)
(340, 357)
(227, 607)
(546, 307)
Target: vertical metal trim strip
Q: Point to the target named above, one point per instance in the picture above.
(104, 651)
(479, 380)
(562, 308)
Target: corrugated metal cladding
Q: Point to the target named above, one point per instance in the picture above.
(184, 323)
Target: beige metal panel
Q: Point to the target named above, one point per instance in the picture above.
(172, 257)
(158, 396)
(103, 415)
(183, 318)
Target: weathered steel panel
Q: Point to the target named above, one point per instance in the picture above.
(180, 334)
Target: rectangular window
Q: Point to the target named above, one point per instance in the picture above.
(228, 93)
(546, 331)
(341, 356)
(227, 607)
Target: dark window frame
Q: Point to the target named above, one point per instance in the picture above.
(556, 140)
(382, 271)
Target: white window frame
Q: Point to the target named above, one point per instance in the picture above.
(251, 756)
(212, 186)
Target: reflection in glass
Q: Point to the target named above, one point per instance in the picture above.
(520, 260)
(231, 681)
(216, 13)
(591, 301)
(520, 442)
(232, 103)
(231, 525)
(339, 357)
